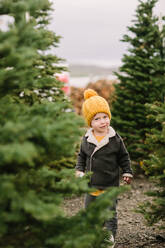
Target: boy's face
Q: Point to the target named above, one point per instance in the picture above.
(100, 122)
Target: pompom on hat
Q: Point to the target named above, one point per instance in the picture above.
(94, 104)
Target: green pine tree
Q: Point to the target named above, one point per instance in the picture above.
(141, 80)
(154, 211)
(38, 133)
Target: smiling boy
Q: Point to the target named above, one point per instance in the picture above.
(102, 152)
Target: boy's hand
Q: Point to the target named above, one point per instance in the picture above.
(127, 179)
(79, 173)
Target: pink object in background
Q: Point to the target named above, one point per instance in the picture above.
(64, 77)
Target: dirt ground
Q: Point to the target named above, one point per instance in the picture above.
(132, 231)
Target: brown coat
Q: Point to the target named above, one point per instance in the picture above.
(104, 159)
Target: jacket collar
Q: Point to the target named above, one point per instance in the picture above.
(91, 138)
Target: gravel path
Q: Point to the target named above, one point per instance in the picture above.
(132, 231)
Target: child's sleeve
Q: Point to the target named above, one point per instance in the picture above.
(124, 160)
(81, 159)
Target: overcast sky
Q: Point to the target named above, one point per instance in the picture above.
(92, 29)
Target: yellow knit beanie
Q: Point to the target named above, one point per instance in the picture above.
(94, 104)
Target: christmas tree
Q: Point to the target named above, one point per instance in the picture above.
(154, 211)
(141, 80)
(39, 132)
